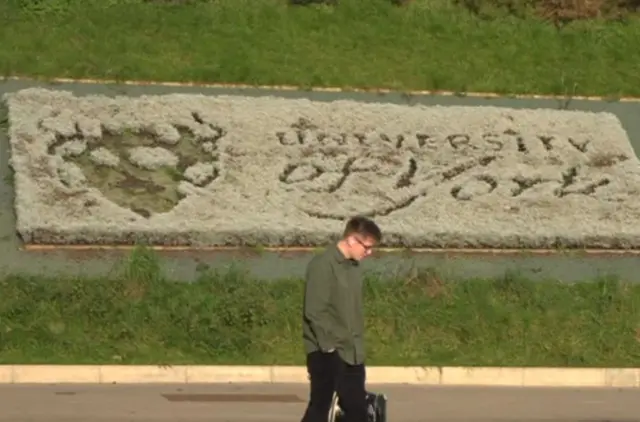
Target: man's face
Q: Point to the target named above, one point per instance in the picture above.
(360, 246)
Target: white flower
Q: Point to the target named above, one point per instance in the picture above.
(102, 156)
(71, 175)
(199, 173)
(71, 148)
(151, 158)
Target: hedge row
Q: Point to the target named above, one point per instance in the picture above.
(558, 11)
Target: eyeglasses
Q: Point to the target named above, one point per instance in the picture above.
(366, 247)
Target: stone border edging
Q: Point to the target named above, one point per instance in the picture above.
(446, 376)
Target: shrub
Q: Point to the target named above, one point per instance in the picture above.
(560, 12)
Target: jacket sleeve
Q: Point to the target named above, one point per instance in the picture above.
(317, 297)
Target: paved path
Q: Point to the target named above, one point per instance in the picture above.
(156, 403)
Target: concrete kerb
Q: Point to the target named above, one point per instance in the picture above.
(446, 376)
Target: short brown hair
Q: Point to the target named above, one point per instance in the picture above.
(364, 227)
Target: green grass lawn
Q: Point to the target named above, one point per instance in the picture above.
(139, 317)
(430, 44)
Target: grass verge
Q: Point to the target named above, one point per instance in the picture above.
(430, 44)
(137, 316)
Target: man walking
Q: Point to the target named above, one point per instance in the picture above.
(333, 324)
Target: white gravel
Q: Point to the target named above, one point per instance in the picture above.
(432, 176)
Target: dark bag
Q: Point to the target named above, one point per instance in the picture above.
(376, 408)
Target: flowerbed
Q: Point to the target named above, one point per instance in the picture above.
(202, 170)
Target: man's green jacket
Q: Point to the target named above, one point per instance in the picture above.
(333, 315)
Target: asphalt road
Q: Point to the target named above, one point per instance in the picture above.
(283, 403)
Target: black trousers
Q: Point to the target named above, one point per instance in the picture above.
(329, 373)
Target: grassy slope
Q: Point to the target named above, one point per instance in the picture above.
(428, 45)
(139, 317)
